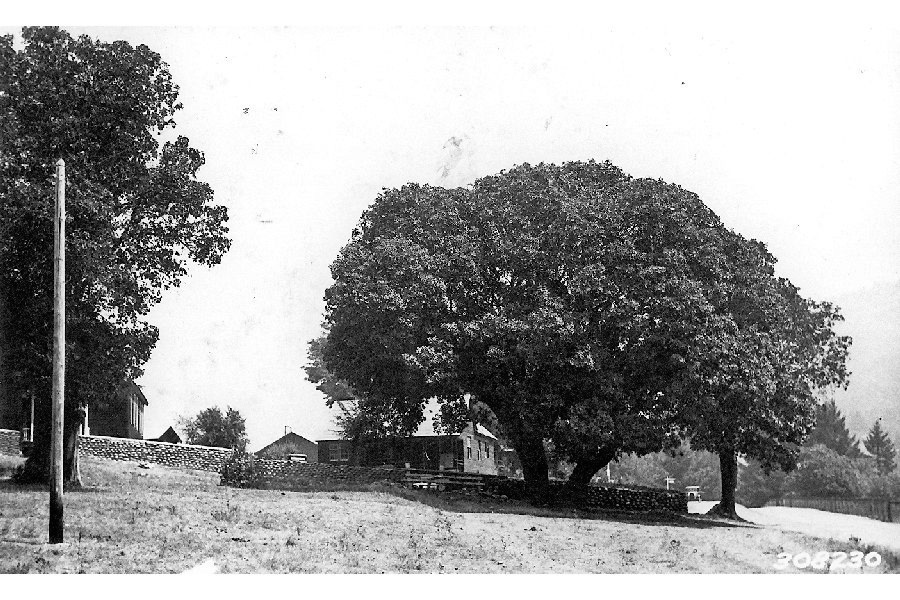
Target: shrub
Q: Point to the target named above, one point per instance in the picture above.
(822, 472)
(240, 470)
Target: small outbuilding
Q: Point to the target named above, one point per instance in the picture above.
(290, 444)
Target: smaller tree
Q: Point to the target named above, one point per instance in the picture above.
(879, 445)
(822, 472)
(831, 431)
(212, 428)
(756, 486)
(358, 417)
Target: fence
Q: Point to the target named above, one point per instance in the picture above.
(873, 508)
(442, 479)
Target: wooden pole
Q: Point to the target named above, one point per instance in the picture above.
(59, 356)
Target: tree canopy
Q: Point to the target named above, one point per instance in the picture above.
(831, 431)
(577, 303)
(137, 215)
(210, 427)
(758, 367)
(878, 443)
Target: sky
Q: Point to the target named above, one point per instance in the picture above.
(787, 127)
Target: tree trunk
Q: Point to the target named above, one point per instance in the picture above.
(37, 467)
(71, 466)
(530, 449)
(588, 465)
(728, 470)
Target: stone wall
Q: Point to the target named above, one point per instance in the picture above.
(615, 497)
(183, 456)
(285, 474)
(9, 442)
(623, 498)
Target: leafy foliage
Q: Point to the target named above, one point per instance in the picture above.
(210, 427)
(136, 213)
(563, 298)
(240, 470)
(605, 313)
(758, 367)
(831, 431)
(879, 445)
(358, 417)
(822, 472)
(686, 466)
(755, 486)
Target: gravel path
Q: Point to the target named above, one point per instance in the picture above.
(817, 523)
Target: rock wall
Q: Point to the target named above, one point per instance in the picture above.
(182, 456)
(615, 497)
(285, 474)
(9, 442)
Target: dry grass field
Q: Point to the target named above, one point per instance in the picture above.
(134, 520)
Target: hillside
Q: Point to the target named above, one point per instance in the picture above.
(873, 320)
(159, 520)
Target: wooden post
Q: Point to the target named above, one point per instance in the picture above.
(59, 356)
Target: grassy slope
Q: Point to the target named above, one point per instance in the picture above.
(163, 520)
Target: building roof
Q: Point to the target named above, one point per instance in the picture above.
(483, 431)
(130, 387)
(426, 429)
(170, 435)
(288, 437)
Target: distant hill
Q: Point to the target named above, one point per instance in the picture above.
(873, 320)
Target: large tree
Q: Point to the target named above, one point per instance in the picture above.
(563, 298)
(136, 217)
(758, 368)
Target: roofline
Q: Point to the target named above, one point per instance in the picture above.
(281, 438)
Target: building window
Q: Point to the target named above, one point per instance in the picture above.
(338, 452)
(487, 450)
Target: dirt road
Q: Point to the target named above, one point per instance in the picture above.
(817, 523)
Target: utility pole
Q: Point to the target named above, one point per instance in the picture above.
(59, 356)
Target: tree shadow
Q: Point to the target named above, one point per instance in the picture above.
(474, 503)
(11, 486)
